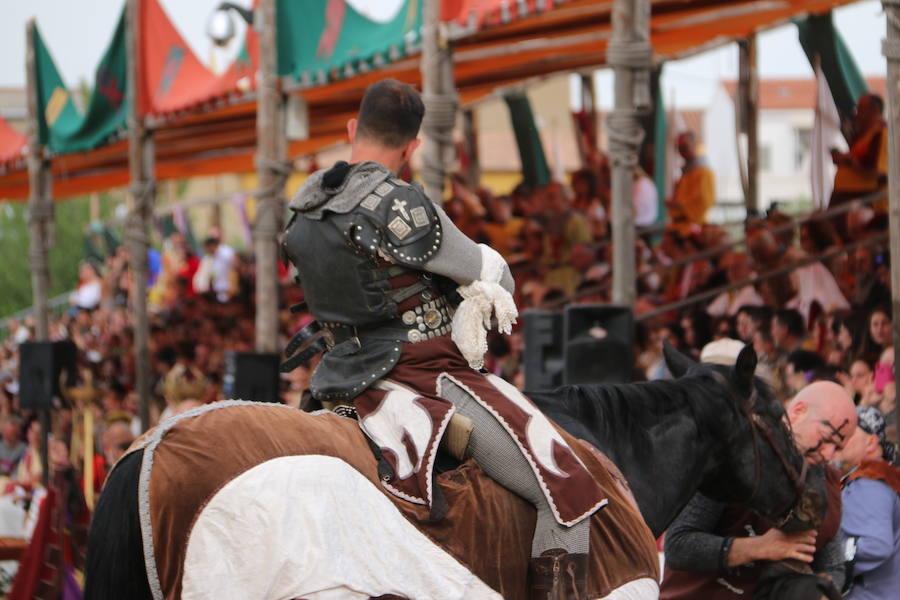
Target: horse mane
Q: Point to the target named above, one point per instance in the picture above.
(115, 561)
(629, 409)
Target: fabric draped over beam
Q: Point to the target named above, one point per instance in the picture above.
(509, 43)
(821, 40)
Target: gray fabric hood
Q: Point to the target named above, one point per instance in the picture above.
(313, 199)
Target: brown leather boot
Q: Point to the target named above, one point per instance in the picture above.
(558, 575)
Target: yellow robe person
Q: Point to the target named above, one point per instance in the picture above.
(694, 195)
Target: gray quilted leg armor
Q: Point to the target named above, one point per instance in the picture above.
(499, 457)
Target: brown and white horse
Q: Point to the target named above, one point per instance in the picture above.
(242, 500)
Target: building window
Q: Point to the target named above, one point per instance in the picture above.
(802, 138)
(765, 158)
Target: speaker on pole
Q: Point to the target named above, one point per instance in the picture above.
(45, 368)
(599, 346)
(251, 376)
(543, 354)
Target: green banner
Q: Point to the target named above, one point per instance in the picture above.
(654, 145)
(62, 128)
(321, 41)
(535, 171)
(821, 40)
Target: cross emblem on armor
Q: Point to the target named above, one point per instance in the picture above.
(400, 207)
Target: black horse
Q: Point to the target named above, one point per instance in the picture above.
(715, 429)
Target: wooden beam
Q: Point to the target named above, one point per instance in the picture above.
(140, 210)
(441, 101)
(40, 204)
(269, 206)
(630, 55)
(891, 50)
(748, 99)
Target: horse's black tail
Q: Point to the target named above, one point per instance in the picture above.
(115, 558)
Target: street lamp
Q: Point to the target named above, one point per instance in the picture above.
(220, 26)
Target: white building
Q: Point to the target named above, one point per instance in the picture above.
(786, 114)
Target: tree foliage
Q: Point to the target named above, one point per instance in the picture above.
(72, 217)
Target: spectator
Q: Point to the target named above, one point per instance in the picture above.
(644, 196)
(737, 269)
(871, 504)
(88, 294)
(695, 192)
(751, 319)
(12, 448)
(859, 381)
(879, 334)
(787, 331)
(862, 169)
(216, 274)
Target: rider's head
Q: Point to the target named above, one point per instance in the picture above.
(388, 123)
(823, 418)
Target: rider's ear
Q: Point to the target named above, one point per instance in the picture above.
(677, 362)
(745, 366)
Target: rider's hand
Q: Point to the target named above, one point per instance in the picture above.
(773, 545)
(778, 545)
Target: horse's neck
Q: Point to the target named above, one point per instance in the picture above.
(662, 438)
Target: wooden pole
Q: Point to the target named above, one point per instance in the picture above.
(748, 97)
(141, 166)
(40, 224)
(631, 57)
(439, 95)
(470, 133)
(589, 104)
(40, 204)
(891, 50)
(270, 181)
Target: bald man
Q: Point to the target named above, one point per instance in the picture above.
(714, 551)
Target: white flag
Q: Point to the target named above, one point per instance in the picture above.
(826, 134)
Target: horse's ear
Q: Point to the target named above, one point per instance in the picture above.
(745, 366)
(677, 362)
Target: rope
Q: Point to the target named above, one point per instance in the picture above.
(631, 54)
(625, 136)
(440, 116)
(280, 169)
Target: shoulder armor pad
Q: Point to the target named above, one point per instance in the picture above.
(399, 219)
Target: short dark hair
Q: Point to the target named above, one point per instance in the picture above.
(878, 101)
(791, 319)
(391, 113)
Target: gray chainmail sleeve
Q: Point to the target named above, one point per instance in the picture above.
(830, 560)
(459, 258)
(689, 546)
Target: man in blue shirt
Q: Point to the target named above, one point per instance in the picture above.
(871, 518)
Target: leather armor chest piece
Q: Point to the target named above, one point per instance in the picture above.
(340, 281)
(336, 250)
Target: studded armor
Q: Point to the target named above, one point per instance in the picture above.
(361, 262)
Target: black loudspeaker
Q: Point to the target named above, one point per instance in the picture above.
(543, 354)
(44, 368)
(599, 346)
(251, 376)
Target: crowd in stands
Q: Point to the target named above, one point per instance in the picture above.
(811, 311)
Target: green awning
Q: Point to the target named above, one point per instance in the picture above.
(321, 41)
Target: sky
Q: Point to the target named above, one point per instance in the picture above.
(77, 31)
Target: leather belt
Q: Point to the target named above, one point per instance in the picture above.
(424, 322)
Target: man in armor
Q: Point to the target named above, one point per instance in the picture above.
(379, 264)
